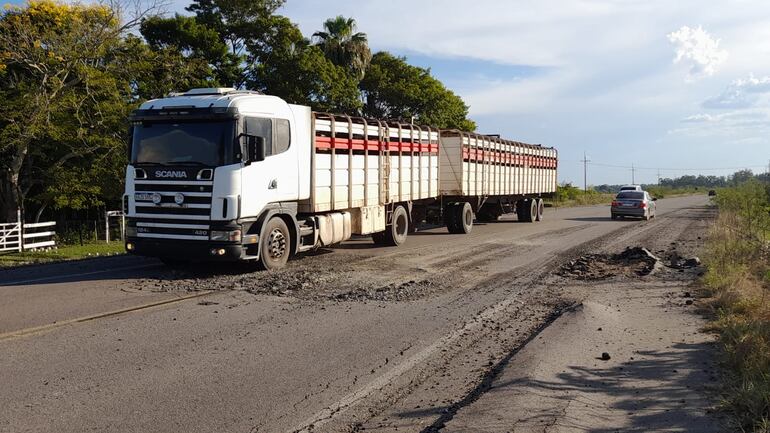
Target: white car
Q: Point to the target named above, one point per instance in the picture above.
(631, 188)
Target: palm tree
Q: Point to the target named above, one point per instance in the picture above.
(343, 46)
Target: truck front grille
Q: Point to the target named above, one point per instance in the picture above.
(166, 219)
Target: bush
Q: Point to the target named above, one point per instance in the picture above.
(738, 281)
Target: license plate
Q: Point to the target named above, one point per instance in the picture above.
(143, 196)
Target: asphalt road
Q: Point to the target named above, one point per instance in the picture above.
(334, 341)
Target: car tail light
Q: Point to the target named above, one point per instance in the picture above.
(642, 205)
(615, 204)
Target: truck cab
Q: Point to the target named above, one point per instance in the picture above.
(208, 167)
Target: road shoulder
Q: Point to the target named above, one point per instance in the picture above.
(660, 364)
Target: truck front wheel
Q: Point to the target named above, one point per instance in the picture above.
(275, 244)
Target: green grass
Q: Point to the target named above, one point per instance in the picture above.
(737, 283)
(64, 252)
(582, 200)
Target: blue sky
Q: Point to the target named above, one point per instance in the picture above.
(663, 85)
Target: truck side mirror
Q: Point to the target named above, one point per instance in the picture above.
(255, 148)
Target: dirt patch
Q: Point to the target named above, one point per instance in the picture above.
(632, 262)
(333, 277)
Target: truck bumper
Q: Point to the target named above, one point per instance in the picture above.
(185, 249)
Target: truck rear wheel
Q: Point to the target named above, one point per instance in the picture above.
(540, 209)
(462, 218)
(275, 245)
(397, 231)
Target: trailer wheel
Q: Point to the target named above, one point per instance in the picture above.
(540, 209)
(396, 233)
(275, 245)
(463, 218)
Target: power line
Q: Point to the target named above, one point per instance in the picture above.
(633, 167)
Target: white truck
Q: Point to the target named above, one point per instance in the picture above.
(225, 174)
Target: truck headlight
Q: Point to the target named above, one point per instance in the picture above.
(229, 235)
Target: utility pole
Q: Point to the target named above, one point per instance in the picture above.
(633, 174)
(585, 162)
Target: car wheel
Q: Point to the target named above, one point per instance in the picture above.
(613, 216)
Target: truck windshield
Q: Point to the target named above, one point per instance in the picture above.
(205, 143)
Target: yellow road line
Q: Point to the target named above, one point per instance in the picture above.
(43, 328)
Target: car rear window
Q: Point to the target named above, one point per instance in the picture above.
(631, 195)
(628, 188)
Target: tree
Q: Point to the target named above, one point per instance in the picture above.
(245, 26)
(59, 91)
(300, 73)
(393, 89)
(183, 42)
(344, 46)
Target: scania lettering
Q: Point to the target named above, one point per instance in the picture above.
(224, 174)
(175, 174)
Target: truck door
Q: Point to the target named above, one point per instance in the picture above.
(274, 179)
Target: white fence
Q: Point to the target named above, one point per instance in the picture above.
(20, 236)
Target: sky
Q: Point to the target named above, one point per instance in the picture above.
(669, 87)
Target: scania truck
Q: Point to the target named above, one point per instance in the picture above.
(219, 174)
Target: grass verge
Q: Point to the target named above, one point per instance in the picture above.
(64, 252)
(737, 283)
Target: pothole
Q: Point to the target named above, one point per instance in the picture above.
(631, 262)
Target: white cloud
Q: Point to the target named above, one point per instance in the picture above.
(736, 124)
(741, 93)
(698, 50)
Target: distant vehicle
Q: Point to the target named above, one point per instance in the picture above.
(712, 193)
(634, 204)
(631, 188)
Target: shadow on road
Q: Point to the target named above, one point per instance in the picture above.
(649, 393)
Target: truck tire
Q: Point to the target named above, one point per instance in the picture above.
(540, 209)
(463, 218)
(397, 231)
(275, 245)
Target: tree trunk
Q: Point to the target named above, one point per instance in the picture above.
(11, 196)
